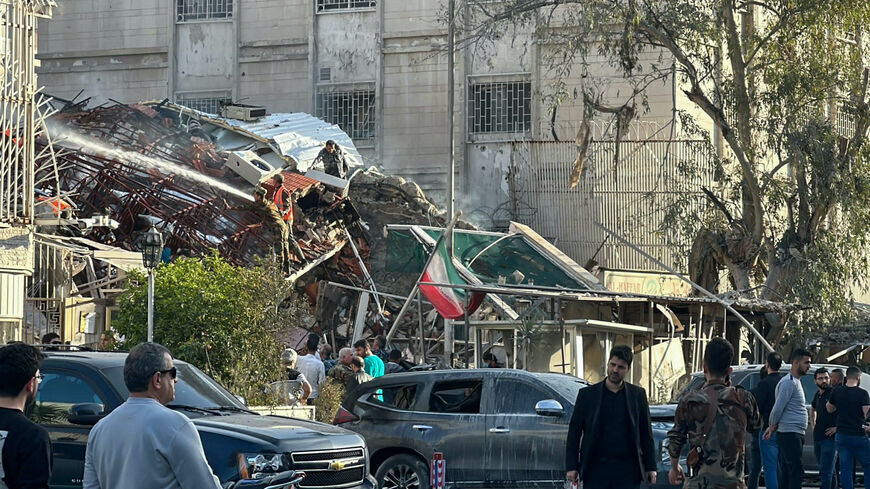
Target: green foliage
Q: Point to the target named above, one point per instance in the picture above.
(330, 395)
(784, 83)
(222, 318)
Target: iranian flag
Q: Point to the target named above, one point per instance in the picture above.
(448, 301)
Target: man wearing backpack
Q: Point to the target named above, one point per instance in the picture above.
(713, 420)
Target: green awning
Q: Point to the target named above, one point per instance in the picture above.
(497, 255)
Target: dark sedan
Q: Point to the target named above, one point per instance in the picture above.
(495, 427)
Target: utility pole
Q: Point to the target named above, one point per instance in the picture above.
(451, 171)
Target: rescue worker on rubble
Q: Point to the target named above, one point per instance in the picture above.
(333, 160)
(284, 202)
(274, 222)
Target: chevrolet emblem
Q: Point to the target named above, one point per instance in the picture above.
(336, 466)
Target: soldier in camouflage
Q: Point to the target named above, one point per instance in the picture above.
(342, 372)
(713, 420)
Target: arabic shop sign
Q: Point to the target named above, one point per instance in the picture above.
(646, 283)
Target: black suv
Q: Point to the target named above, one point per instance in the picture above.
(80, 387)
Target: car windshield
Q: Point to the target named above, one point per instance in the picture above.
(566, 385)
(194, 388)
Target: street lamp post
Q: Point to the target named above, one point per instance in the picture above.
(152, 248)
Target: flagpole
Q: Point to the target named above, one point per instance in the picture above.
(441, 237)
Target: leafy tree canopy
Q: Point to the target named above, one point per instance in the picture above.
(784, 85)
(222, 318)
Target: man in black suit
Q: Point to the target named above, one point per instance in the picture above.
(612, 420)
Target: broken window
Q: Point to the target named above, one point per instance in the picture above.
(209, 105)
(500, 107)
(352, 110)
(457, 397)
(330, 5)
(187, 10)
(397, 396)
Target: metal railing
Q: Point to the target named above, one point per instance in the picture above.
(209, 105)
(500, 107)
(21, 107)
(332, 5)
(188, 10)
(635, 196)
(354, 111)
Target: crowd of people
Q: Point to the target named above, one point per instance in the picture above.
(313, 365)
(837, 419)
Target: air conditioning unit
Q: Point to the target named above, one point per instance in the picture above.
(248, 165)
(243, 112)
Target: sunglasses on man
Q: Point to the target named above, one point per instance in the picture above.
(173, 372)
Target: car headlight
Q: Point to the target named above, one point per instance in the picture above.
(252, 464)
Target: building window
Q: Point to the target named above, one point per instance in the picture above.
(209, 105)
(187, 10)
(500, 107)
(332, 5)
(352, 110)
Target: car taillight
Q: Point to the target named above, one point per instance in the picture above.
(344, 416)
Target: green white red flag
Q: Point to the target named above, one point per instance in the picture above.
(448, 301)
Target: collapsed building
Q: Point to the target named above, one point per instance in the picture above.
(118, 170)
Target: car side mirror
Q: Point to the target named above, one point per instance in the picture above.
(242, 400)
(86, 413)
(549, 407)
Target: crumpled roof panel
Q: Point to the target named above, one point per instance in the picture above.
(296, 135)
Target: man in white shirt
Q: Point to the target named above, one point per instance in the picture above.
(312, 367)
(142, 443)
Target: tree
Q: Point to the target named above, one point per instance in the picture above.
(784, 82)
(222, 318)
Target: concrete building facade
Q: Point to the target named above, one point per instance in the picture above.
(377, 68)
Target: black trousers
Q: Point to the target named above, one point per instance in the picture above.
(754, 458)
(791, 469)
(611, 474)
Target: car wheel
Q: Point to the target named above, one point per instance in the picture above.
(403, 472)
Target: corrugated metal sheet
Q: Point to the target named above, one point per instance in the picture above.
(296, 135)
(630, 196)
(11, 296)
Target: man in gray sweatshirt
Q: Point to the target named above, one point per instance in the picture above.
(788, 419)
(142, 443)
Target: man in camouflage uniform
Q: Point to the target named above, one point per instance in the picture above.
(717, 443)
(272, 219)
(342, 372)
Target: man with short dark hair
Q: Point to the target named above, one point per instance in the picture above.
(51, 339)
(490, 360)
(765, 395)
(333, 160)
(374, 366)
(394, 366)
(851, 403)
(142, 443)
(837, 378)
(379, 348)
(824, 429)
(25, 448)
(788, 419)
(713, 420)
(312, 367)
(610, 443)
(359, 375)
